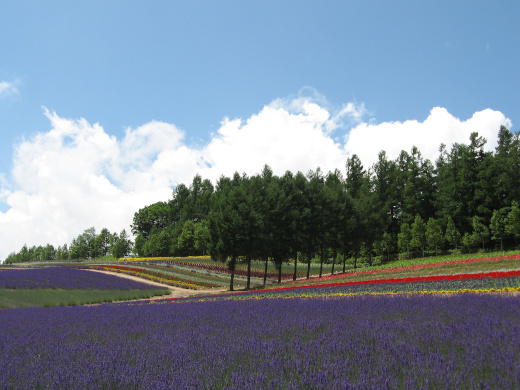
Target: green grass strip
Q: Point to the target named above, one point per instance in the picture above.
(60, 297)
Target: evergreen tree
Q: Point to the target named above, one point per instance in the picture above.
(434, 236)
(513, 221)
(498, 226)
(404, 239)
(122, 245)
(452, 234)
(186, 240)
(418, 241)
(202, 236)
(480, 231)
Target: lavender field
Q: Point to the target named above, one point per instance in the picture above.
(66, 278)
(362, 342)
(60, 286)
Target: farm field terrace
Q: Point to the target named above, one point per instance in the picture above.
(66, 286)
(361, 342)
(208, 273)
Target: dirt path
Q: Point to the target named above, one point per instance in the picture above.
(175, 292)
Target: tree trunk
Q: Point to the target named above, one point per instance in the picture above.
(232, 268)
(279, 273)
(248, 286)
(321, 261)
(334, 261)
(308, 266)
(265, 270)
(344, 261)
(295, 267)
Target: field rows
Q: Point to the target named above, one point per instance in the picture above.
(406, 342)
(419, 326)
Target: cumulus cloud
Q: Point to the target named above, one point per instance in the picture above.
(76, 175)
(366, 140)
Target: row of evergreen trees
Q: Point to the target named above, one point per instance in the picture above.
(85, 246)
(466, 200)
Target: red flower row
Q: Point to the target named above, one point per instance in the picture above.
(422, 266)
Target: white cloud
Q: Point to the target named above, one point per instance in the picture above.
(9, 88)
(75, 175)
(367, 140)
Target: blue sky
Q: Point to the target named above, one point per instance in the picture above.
(159, 86)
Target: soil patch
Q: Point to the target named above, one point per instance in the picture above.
(175, 292)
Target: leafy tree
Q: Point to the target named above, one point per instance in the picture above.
(278, 222)
(480, 231)
(513, 221)
(416, 185)
(152, 218)
(404, 238)
(102, 242)
(122, 245)
(186, 240)
(461, 179)
(82, 247)
(321, 199)
(469, 242)
(139, 244)
(48, 253)
(365, 208)
(434, 236)
(89, 237)
(158, 244)
(202, 236)
(452, 234)
(385, 245)
(385, 185)
(306, 234)
(498, 225)
(226, 224)
(507, 168)
(418, 241)
(336, 192)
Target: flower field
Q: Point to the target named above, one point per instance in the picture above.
(68, 286)
(165, 276)
(402, 328)
(66, 278)
(371, 342)
(205, 264)
(507, 281)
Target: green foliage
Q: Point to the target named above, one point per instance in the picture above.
(60, 297)
(498, 225)
(513, 221)
(378, 210)
(120, 245)
(202, 236)
(452, 234)
(418, 241)
(480, 231)
(186, 240)
(434, 236)
(404, 238)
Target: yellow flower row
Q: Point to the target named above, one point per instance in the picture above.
(157, 278)
(466, 290)
(160, 258)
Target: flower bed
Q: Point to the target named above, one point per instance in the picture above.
(156, 276)
(406, 342)
(419, 267)
(66, 278)
(507, 281)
